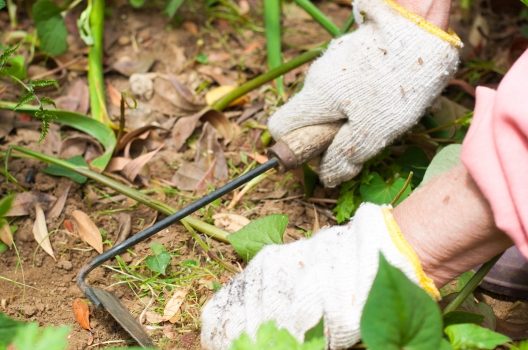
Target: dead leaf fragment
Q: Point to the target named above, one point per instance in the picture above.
(132, 169)
(5, 235)
(230, 222)
(40, 231)
(124, 227)
(172, 308)
(217, 93)
(128, 66)
(76, 99)
(57, 208)
(81, 311)
(88, 231)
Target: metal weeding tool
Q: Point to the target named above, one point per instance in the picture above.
(289, 152)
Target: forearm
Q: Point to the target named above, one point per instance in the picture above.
(435, 11)
(450, 226)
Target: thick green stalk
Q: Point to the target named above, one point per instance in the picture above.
(163, 208)
(266, 77)
(320, 17)
(471, 285)
(272, 22)
(95, 64)
(348, 24)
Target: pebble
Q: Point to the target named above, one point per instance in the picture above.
(29, 310)
(141, 85)
(65, 265)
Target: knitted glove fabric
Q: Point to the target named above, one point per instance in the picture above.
(329, 275)
(378, 80)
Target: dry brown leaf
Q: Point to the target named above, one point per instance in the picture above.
(114, 95)
(5, 235)
(184, 127)
(81, 311)
(132, 135)
(209, 150)
(88, 231)
(153, 317)
(76, 99)
(128, 66)
(172, 307)
(124, 227)
(57, 208)
(230, 222)
(169, 88)
(25, 201)
(225, 128)
(40, 231)
(77, 144)
(188, 176)
(117, 164)
(217, 93)
(132, 169)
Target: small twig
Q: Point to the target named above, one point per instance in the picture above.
(405, 185)
(247, 187)
(56, 69)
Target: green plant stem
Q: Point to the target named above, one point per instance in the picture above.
(272, 22)
(405, 185)
(163, 208)
(320, 17)
(262, 79)
(471, 285)
(348, 24)
(95, 65)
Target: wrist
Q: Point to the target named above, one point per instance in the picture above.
(450, 226)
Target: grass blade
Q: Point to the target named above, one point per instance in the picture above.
(272, 22)
(92, 127)
(320, 17)
(163, 208)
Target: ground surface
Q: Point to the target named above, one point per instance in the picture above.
(36, 287)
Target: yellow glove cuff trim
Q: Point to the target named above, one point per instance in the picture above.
(450, 36)
(405, 248)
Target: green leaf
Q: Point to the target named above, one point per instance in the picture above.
(8, 329)
(446, 159)
(525, 2)
(2, 4)
(90, 126)
(202, 58)
(270, 337)
(377, 191)
(520, 346)
(41, 83)
(26, 98)
(445, 345)
(5, 205)
(4, 57)
(309, 180)
(137, 3)
(56, 170)
(250, 239)
(347, 202)
(47, 338)
(473, 306)
(414, 159)
(160, 260)
(172, 7)
(398, 314)
(15, 66)
(316, 332)
(51, 29)
(3, 248)
(458, 317)
(472, 337)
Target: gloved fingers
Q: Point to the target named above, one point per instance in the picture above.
(304, 109)
(339, 162)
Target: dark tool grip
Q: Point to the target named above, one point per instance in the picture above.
(303, 144)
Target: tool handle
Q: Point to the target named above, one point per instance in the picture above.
(303, 144)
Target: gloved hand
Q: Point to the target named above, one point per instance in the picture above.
(378, 80)
(329, 275)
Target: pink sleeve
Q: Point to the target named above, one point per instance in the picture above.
(495, 151)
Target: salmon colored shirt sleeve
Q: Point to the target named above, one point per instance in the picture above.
(495, 151)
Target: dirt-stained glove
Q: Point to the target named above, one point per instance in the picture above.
(329, 275)
(378, 80)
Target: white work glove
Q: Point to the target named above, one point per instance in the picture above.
(296, 284)
(378, 80)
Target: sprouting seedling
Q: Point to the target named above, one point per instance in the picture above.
(43, 114)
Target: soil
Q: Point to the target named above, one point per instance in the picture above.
(36, 287)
